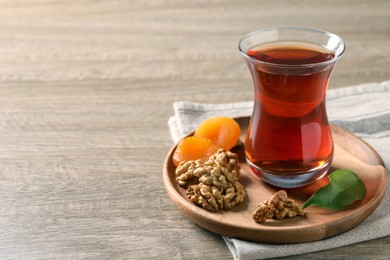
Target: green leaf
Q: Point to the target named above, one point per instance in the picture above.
(344, 188)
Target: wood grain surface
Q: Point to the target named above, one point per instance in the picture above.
(86, 89)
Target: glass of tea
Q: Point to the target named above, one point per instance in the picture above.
(289, 141)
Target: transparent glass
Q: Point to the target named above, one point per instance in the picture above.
(289, 141)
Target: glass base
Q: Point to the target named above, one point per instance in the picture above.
(295, 180)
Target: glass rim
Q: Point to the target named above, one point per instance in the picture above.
(308, 65)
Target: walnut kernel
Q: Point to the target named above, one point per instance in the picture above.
(278, 207)
(214, 184)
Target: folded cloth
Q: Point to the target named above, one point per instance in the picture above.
(362, 109)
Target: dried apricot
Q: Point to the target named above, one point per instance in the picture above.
(221, 130)
(193, 148)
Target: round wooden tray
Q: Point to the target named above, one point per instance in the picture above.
(351, 153)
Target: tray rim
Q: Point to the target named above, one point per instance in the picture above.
(326, 229)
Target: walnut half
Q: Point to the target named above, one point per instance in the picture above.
(213, 185)
(278, 207)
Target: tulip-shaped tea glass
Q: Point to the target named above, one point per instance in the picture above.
(289, 141)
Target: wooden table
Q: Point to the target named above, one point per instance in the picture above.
(86, 89)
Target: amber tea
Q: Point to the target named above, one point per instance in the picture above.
(289, 142)
(292, 130)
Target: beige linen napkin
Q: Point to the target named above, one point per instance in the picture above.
(363, 110)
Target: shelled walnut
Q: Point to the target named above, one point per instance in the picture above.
(214, 185)
(278, 207)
